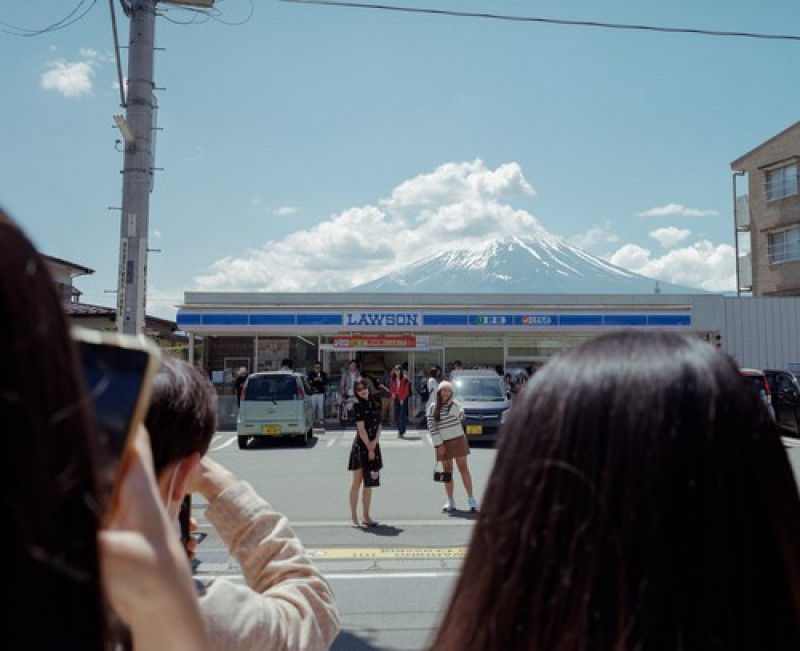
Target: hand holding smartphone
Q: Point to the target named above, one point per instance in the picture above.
(118, 370)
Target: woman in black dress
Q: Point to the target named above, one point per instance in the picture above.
(366, 450)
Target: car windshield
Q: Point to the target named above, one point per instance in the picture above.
(479, 388)
(278, 387)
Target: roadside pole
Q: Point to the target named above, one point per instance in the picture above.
(137, 176)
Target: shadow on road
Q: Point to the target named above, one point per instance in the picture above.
(383, 530)
(349, 642)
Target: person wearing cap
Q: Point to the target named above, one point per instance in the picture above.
(444, 415)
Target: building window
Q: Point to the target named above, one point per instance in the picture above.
(784, 246)
(781, 182)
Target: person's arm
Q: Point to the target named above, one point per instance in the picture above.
(436, 437)
(362, 434)
(145, 571)
(287, 603)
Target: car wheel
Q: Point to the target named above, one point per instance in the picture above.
(302, 440)
(242, 440)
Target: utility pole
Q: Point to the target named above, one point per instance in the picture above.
(138, 133)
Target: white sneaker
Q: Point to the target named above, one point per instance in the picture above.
(449, 505)
(473, 504)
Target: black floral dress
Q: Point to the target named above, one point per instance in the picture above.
(368, 411)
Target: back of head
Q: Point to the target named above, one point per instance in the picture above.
(641, 498)
(49, 488)
(182, 416)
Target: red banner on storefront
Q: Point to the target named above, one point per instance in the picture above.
(376, 341)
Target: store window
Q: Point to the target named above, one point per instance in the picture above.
(784, 246)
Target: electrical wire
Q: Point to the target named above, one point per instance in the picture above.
(70, 19)
(204, 15)
(551, 21)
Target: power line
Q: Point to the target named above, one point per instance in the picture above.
(550, 21)
(70, 19)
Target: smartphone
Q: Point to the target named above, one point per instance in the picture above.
(118, 370)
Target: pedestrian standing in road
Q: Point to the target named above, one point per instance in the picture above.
(72, 570)
(285, 602)
(641, 498)
(365, 454)
(318, 379)
(444, 417)
(400, 388)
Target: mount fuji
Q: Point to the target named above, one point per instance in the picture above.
(519, 265)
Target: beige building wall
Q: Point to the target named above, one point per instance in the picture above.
(770, 217)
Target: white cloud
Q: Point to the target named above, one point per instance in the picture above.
(709, 266)
(285, 211)
(74, 78)
(669, 236)
(594, 237)
(676, 209)
(456, 204)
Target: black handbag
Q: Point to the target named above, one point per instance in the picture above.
(372, 474)
(441, 475)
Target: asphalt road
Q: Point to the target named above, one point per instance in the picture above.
(392, 581)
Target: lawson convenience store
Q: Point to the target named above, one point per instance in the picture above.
(229, 331)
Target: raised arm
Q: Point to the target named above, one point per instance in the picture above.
(287, 603)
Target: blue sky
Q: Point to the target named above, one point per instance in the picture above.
(309, 148)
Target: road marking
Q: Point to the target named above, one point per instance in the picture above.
(393, 575)
(238, 578)
(457, 519)
(224, 444)
(386, 553)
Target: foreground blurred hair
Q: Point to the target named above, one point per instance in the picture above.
(49, 496)
(641, 498)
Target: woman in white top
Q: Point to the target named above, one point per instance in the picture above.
(444, 415)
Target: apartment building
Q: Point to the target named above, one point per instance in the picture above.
(767, 217)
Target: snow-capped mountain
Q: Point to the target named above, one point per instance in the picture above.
(519, 265)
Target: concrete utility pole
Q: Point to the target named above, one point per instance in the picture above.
(138, 132)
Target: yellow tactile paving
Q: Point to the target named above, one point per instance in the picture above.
(386, 553)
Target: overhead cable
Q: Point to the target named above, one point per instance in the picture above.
(551, 21)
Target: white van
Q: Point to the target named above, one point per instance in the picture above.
(275, 403)
(482, 394)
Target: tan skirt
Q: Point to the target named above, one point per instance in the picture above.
(457, 447)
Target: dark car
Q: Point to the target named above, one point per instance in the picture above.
(483, 396)
(785, 399)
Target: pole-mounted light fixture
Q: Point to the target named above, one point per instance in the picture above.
(125, 130)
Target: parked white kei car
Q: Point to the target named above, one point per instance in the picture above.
(275, 404)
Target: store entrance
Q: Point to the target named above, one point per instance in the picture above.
(377, 365)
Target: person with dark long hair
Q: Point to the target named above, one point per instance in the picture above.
(365, 455)
(444, 415)
(63, 565)
(640, 499)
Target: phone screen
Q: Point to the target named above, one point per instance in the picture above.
(114, 378)
(117, 370)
